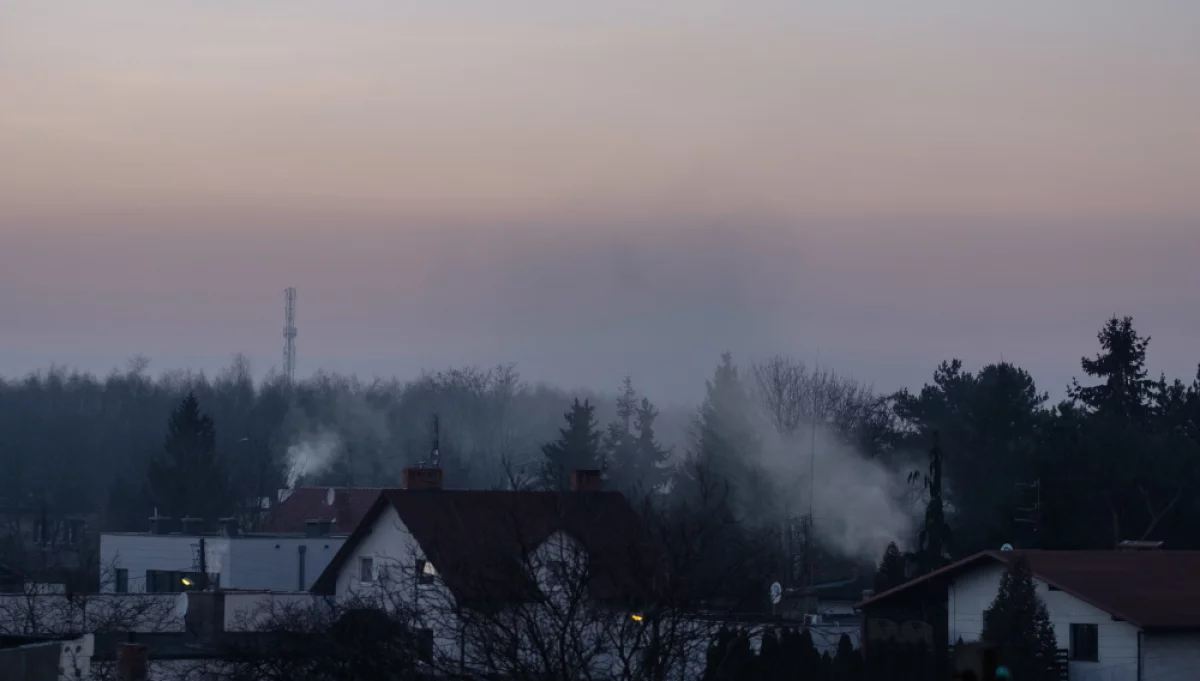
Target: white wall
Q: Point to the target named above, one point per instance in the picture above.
(973, 592)
(1170, 657)
(250, 562)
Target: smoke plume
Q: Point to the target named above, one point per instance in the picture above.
(312, 455)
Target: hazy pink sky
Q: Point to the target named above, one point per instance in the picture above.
(594, 189)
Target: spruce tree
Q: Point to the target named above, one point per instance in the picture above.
(847, 662)
(893, 569)
(1018, 625)
(620, 446)
(187, 477)
(651, 456)
(577, 448)
(726, 441)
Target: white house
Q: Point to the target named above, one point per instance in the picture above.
(479, 570)
(163, 561)
(1127, 615)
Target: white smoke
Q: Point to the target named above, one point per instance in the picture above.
(312, 455)
(858, 505)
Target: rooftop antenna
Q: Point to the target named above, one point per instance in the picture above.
(436, 455)
(289, 335)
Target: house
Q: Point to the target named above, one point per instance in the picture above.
(467, 562)
(342, 507)
(167, 559)
(1121, 615)
(38, 537)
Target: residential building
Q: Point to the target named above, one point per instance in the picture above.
(1120, 615)
(169, 560)
(342, 507)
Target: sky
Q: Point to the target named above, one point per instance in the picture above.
(598, 189)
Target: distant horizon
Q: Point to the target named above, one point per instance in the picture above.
(592, 191)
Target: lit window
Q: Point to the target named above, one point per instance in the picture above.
(366, 569)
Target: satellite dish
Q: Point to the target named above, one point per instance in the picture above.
(776, 593)
(1006, 547)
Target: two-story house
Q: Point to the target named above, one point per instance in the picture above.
(489, 574)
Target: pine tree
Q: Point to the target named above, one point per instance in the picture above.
(847, 662)
(1018, 625)
(188, 478)
(1125, 391)
(893, 569)
(577, 448)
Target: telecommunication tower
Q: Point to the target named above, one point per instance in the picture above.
(289, 335)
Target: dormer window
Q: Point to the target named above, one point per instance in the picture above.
(425, 571)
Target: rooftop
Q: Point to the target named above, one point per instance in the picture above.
(1148, 589)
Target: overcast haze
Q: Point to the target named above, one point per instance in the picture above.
(594, 189)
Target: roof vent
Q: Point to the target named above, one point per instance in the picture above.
(1130, 545)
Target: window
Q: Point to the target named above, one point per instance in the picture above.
(173, 582)
(366, 569)
(425, 572)
(1085, 643)
(122, 581)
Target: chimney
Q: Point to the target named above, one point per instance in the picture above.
(422, 478)
(586, 480)
(318, 528)
(160, 525)
(192, 526)
(132, 662)
(230, 527)
(205, 616)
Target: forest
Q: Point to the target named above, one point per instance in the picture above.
(976, 458)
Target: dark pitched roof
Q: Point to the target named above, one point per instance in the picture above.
(1149, 589)
(349, 506)
(477, 539)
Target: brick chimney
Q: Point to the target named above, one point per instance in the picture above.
(422, 478)
(586, 480)
(132, 662)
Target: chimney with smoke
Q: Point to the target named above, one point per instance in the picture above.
(586, 480)
(422, 478)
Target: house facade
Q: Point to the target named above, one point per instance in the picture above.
(168, 561)
(1120, 615)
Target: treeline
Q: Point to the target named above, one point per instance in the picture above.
(1116, 460)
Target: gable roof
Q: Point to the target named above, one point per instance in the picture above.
(1148, 589)
(477, 539)
(350, 505)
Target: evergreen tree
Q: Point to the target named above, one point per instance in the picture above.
(577, 448)
(620, 445)
(1121, 366)
(726, 442)
(893, 569)
(187, 477)
(1018, 625)
(770, 657)
(847, 662)
(651, 456)
(935, 532)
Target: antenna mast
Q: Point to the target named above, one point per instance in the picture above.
(289, 335)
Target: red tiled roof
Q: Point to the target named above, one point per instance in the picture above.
(1149, 589)
(477, 539)
(350, 505)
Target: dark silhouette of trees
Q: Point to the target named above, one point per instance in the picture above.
(578, 447)
(892, 570)
(188, 478)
